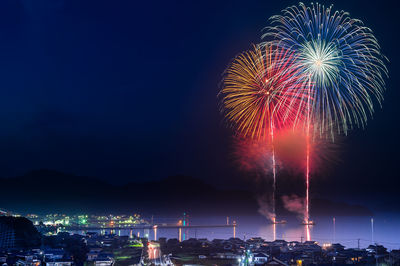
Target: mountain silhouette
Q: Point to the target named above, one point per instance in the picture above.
(47, 191)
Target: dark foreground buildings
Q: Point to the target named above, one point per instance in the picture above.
(22, 244)
(18, 233)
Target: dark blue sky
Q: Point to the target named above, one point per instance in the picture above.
(126, 90)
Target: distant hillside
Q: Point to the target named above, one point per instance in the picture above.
(45, 191)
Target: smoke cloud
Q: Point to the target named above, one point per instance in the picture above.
(265, 208)
(294, 204)
(253, 155)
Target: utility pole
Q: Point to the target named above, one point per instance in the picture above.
(301, 239)
(358, 244)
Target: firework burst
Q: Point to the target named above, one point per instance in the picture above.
(261, 92)
(338, 57)
(340, 61)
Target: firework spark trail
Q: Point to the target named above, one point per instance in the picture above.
(307, 213)
(340, 59)
(274, 175)
(262, 93)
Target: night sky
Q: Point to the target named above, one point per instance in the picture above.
(126, 90)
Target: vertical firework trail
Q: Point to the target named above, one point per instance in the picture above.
(273, 174)
(307, 214)
(262, 94)
(307, 211)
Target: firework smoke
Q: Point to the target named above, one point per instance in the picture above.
(252, 155)
(265, 208)
(290, 146)
(294, 204)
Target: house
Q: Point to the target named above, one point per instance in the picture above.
(56, 257)
(204, 242)
(91, 234)
(92, 255)
(279, 242)
(217, 242)
(260, 258)
(337, 247)
(104, 262)
(27, 263)
(104, 259)
(394, 257)
(376, 249)
(308, 246)
(3, 258)
(60, 262)
(395, 254)
(230, 255)
(291, 245)
(53, 254)
(309, 243)
(27, 260)
(255, 242)
(275, 261)
(228, 246)
(353, 256)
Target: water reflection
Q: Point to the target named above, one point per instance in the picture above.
(308, 231)
(349, 231)
(155, 232)
(274, 231)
